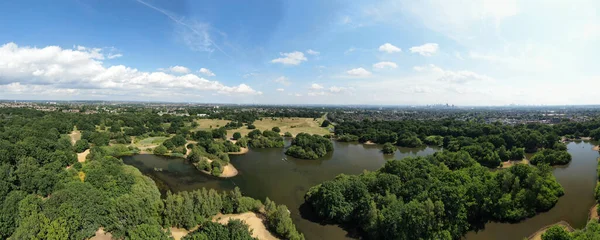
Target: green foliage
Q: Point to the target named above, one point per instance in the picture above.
(388, 148)
(81, 146)
(251, 126)
(280, 222)
(435, 197)
(434, 140)
(160, 150)
(276, 129)
(146, 231)
(287, 134)
(551, 157)
(237, 135)
(556, 233)
(347, 138)
(325, 123)
(308, 146)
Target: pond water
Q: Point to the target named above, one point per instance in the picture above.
(270, 173)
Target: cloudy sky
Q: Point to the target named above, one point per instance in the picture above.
(464, 52)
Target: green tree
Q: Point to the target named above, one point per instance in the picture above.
(81, 145)
(237, 135)
(556, 233)
(388, 148)
(160, 150)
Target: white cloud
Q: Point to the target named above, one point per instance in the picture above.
(319, 93)
(179, 69)
(389, 48)
(358, 72)
(206, 72)
(72, 70)
(456, 77)
(316, 86)
(195, 35)
(282, 80)
(312, 52)
(426, 49)
(383, 65)
(280, 90)
(113, 56)
(292, 58)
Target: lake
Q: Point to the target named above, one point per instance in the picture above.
(270, 173)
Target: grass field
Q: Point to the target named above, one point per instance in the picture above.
(292, 125)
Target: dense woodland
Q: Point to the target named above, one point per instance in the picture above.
(46, 194)
(308, 146)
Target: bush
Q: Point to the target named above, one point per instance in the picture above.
(276, 129)
(325, 123)
(251, 126)
(237, 135)
(160, 150)
(81, 145)
(287, 134)
(388, 148)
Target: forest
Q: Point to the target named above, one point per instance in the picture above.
(308, 146)
(441, 196)
(46, 193)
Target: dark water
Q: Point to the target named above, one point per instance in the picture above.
(268, 172)
(578, 179)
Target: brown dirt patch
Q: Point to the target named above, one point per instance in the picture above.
(369, 143)
(102, 235)
(593, 213)
(511, 163)
(75, 136)
(596, 148)
(254, 221)
(81, 156)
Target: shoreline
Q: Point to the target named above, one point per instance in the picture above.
(369, 143)
(228, 170)
(596, 148)
(537, 235)
(241, 152)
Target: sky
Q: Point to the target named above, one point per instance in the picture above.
(461, 52)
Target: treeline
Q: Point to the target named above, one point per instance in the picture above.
(441, 196)
(489, 144)
(308, 146)
(264, 139)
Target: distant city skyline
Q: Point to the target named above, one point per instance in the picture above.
(464, 53)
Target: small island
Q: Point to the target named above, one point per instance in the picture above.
(308, 146)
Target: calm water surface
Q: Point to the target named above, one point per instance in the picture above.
(270, 173)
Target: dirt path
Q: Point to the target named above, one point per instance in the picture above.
(511, 163)
(81, 156)
(102, 235)
(75, 136)
(255, 223)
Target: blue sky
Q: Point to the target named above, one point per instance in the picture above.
(464, 52)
